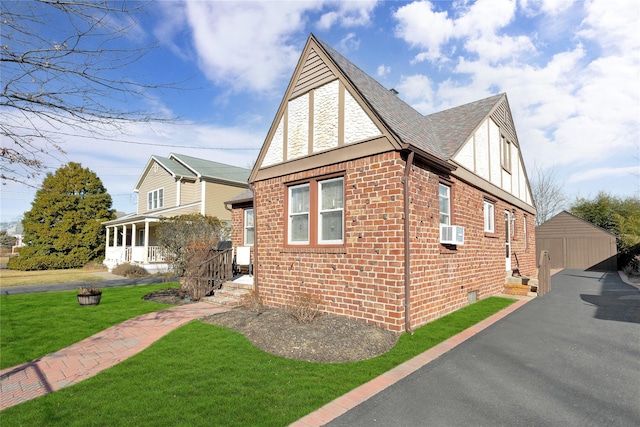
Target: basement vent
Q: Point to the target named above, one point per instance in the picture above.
(472, 297)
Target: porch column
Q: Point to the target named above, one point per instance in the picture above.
(133, 235)
(146, 241)
(115, 237)
(124, 236)
(106, 248)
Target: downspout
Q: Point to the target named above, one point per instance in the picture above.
(256, 288)
(407, 246)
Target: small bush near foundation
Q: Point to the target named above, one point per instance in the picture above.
(633, 267)
(253, 302)
(130, 271)
(305, 308)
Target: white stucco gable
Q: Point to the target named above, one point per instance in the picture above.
(492, 154)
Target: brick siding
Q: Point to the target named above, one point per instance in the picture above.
(364, 279)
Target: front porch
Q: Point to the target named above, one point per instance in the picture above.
(131, 239)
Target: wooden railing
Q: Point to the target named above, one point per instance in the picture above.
(210, 274)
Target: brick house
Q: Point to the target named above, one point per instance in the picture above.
(379, 212)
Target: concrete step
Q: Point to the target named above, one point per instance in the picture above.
(228, 297)
(236, 285)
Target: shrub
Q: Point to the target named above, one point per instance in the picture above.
(253, 302)
(44, 262)
(633, 267)
(305, 308)
(130, 271)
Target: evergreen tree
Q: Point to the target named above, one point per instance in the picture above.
(63, 228)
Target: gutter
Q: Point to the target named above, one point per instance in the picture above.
(407, 246)
(254, 269)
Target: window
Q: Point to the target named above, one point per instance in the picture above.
(299, 214)
(489, 217)
(155, 199)
(445, 205)
(331, 211)
(506, 153)
(524, 230)
(249, 227)
(316, 212)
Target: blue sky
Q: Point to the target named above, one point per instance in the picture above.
(571, 71)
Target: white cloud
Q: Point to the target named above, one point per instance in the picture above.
(349, 43)
(252, 45)
(478, 26)
(609, 172)
(383, 70)
(348, 14)
(417, 90)
(229, 54)
(613, 24)
(422, 27)
(575, 105)
(549, 7)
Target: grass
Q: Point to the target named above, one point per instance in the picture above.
(34, 325)
(10, 278)
(206, 375)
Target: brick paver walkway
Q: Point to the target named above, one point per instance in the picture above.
(94, 354)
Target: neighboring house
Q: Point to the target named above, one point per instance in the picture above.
(573, 242)
(170, 186)
(380, 213)
(17, 231)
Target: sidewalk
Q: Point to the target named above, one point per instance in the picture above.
(94, 354)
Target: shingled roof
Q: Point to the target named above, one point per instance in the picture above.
(440, 134)
(209, 169)
(173, 167)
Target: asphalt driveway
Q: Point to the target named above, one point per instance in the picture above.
(569, 358)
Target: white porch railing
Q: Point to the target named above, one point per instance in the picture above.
(154, 254)
(135, 254)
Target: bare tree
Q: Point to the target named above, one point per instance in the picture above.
(63, 72)
(547, 192)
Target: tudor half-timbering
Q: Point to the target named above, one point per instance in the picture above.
(381, 213)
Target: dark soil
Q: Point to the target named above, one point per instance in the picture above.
(326, 339)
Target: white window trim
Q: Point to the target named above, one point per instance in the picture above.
(153, 199)
(491, 227)
(245, 227)
(320, 212)
(290, 215)
(448, 197)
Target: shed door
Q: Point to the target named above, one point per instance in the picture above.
(507, 239)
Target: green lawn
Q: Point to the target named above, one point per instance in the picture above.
(33, 325)
(206, 375)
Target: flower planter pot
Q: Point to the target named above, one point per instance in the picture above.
(89, 299)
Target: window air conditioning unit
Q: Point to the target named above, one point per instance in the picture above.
(451, 234)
